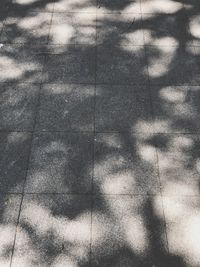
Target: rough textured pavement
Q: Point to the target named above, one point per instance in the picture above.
(100, 133)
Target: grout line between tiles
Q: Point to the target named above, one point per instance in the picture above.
(28, 162)
(103, 84)
(96, 132)
(102, 194)
(17, 223)
(94, 137)
(22, 197)
(51, 21)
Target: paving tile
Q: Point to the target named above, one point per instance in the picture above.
(85, 25)
(191, 5)
(128, 231)
(20, 63)
(22, 7)
(169, 65)
(124, 164)
(121, 29)
(85, 6)
(123, 6)
(176, 108)
(119, 108)
(146, 151)
(62, 29)
(14, 150)
(73, 28)
(169, 30)
(160, 6)
(9, 212)
(178, 157)
(5, 5)
(182, 220)
(60, 163)
(194, 25)
(77, 65)
(196, 50)
(121, 65)
(18, 106)
(1, 27)
(66, 107)
(32, 28)
(54, 230)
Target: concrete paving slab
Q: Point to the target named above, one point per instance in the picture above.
(21, 63)
(178, 164)
(182, 216)
(118, 108)
(121, 65)
(9, 212)
(176, 109)
(66, 108)
(52, 231)
(118, 168)
(99, 133)
(121, 238)
(170, 30)
(18, 106)
(14, 150)
(73, 28)
(60, 163)
(25, 6)
(31, 29)
(126, 6)
(77, 65)
(84, 6)
(170, 65)
(121, 29)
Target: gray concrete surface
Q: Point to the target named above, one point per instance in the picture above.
(99, 133)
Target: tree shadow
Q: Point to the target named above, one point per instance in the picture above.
(111, 129)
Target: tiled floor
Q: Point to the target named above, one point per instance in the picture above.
(99, 133)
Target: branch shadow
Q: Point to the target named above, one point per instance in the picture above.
(93, 182)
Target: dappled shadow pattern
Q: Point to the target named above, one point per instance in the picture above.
(99, 133)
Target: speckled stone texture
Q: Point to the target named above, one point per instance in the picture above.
(99, 133)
